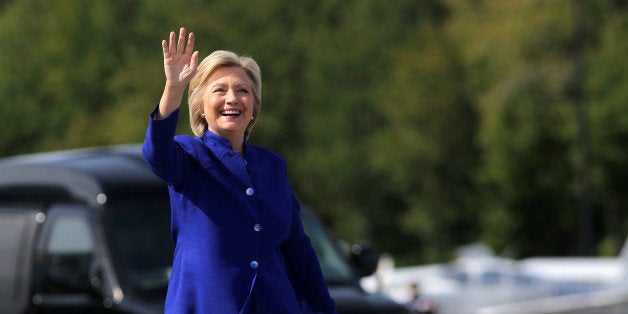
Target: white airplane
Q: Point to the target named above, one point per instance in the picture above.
(478, 279)
(594, 271)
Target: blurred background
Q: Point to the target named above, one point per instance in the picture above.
(415, 126)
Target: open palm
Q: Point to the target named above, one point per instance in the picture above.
(180, 60)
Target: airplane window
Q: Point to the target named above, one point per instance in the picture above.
(491, 278)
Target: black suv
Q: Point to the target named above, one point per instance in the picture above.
(88, 231)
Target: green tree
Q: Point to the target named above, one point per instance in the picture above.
(415, 125)
(607, 87)
(520, 60)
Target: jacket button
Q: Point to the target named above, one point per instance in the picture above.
(257, 227)
(254, 264)
(250, 191)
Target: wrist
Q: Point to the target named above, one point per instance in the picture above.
(175, 88)
(170, 100)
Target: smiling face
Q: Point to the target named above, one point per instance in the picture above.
(228, 104)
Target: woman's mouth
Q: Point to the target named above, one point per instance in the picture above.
(230, 113)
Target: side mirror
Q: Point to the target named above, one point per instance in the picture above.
(364, 259)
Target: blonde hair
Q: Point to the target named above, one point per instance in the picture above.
(198, 86)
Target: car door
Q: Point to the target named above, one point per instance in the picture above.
(64, 277)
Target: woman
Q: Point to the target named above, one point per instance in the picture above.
(239, 240)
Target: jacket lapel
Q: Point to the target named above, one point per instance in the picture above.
(218, 170)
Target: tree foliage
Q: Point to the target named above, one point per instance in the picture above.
(415, 125)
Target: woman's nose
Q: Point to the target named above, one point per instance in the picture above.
(230, 97)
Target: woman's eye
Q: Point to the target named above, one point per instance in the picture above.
(244, 90)
(219, 90)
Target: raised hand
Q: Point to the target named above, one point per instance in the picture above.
(179, 66)
(180, 60)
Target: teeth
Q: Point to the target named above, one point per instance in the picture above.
(231, 112)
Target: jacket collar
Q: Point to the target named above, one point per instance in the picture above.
(219, 145)
(214, 148)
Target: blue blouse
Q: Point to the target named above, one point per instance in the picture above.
(239, 241)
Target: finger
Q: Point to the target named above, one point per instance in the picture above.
(164, 46)
(172, 48)
(181, 43)
(190, 46)
(194, 60)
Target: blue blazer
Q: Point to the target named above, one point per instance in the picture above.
(238, 249)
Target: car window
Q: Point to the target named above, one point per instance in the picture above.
(137, 230)
(66, 252)
(334, 265)
(70, 235)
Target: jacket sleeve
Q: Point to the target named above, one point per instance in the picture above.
(304, 269)
(163, 155)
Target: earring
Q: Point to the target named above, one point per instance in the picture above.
(202, 116)
(253, 118)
